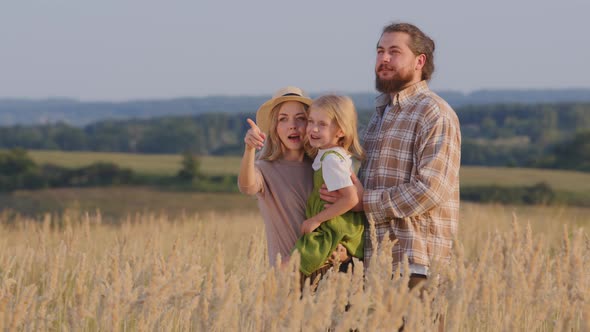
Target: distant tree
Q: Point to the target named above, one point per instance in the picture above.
(191, 167)
(110, 136)
(489, 127)
(16, 161)
(70, 138)
(574, 153)
(169, 136)
(531, 135)
(18, 171)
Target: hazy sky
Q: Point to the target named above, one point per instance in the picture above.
(130, 49)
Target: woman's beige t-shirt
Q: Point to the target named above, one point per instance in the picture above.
(282, 191)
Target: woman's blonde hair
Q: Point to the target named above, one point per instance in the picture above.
(340, 109)
(272, 149)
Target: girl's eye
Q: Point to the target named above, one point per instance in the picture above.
(282, 119)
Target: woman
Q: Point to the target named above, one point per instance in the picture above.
(281, 176)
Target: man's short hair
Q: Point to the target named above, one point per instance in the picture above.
(420, 43)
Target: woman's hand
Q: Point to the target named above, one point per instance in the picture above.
(332, 196)
(309, 226)
(254, 137)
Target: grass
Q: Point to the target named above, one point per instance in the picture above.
(560, 180)
(153, 164)
(119, 202)
(169, 164)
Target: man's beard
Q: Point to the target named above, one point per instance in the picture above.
(392, 85)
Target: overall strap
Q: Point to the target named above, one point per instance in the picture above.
(331, 152)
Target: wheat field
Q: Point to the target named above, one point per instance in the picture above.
(515, 268)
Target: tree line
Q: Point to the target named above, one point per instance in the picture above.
(519, 135)
(21, 111)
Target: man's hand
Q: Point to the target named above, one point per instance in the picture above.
(332, 196)
(309, 226)
(254, 137)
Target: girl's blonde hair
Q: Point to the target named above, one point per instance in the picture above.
(272, 149)
(341, 110)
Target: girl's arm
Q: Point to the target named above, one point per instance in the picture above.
(248, 177)
(331, 196)
(348, 199)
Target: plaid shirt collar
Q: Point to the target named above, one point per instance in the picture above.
(402, 98)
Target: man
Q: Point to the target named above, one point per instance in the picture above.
(410, 177)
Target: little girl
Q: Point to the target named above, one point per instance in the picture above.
(281, 177)
(331, 137)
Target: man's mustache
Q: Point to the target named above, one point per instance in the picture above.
(384, 67)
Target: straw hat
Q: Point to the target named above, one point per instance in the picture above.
(289, 93)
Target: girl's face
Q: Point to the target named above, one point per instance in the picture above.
(291, 123)
(322, 131)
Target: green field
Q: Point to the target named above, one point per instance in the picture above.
(560, 180)
(153, 164)
(166, 164)
(118, 202)
(115, 202)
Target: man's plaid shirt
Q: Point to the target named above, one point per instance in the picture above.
(411, 174)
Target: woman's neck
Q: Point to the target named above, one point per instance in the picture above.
(291, 155)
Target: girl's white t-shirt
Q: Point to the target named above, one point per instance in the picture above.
(336, 171)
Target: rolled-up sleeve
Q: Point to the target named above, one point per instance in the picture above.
(256, 187)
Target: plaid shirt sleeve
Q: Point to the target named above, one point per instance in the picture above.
(437, 152)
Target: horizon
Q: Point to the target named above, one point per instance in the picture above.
(312, 94)
(180, 49)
